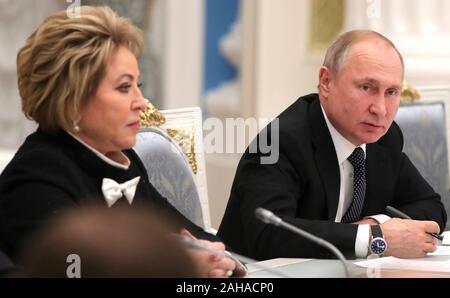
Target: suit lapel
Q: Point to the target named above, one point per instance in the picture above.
(326, 158)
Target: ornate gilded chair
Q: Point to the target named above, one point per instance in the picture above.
(423, 124)
(170, 146)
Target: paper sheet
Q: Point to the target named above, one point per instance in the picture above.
(441, 251)
(439, 261)
(446, 240)
(273, 263)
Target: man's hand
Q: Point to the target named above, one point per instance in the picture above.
(408, 238)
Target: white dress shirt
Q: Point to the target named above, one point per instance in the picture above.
(344, 149)
(102, 156)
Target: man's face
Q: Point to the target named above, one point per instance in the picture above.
(362, 99)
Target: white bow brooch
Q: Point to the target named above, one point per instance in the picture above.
(114, 191)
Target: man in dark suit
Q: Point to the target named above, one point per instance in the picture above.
(340, 164)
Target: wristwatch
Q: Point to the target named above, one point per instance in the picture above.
(377, 244)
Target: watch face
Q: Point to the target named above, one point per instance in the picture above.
(378, 246)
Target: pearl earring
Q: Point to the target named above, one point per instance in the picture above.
(76, 127)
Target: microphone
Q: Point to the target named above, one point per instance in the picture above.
(268, 217)
(237, 258)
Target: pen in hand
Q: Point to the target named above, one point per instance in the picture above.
(400, 214)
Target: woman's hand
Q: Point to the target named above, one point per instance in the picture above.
(209, 263)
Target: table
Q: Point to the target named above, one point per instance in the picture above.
(331, 268)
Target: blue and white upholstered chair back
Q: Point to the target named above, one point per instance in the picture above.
(425, 142)
(171, 149)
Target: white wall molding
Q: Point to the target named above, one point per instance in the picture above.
(183, 53)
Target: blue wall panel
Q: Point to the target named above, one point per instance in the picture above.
(220, 15)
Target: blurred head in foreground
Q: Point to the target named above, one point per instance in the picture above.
(120, 242)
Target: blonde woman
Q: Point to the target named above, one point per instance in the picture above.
(79, 80)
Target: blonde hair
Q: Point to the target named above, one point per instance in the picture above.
(64, 60)
(337, 52)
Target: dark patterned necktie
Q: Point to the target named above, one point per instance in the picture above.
(359, 186)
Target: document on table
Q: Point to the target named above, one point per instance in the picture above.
(273, 263)
(441, 251)
(446, 240)
(438, 261)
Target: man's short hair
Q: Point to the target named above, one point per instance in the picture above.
(337, 52)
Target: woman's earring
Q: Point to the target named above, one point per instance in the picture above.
(76, 127)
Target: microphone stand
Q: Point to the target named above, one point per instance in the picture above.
(269, 217)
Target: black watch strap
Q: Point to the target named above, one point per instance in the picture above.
(376, 231)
